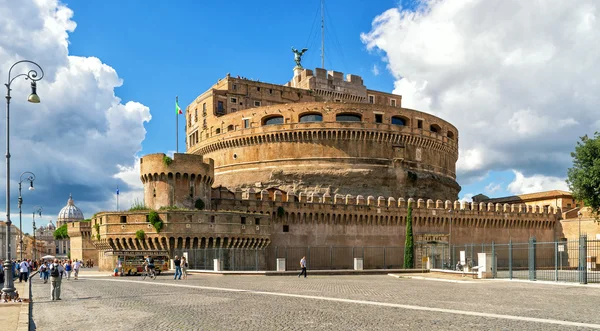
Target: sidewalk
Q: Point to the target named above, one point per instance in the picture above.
(15, 315)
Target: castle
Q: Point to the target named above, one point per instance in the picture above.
(319, 161)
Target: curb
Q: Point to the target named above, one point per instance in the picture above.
(435, 279)
(23, 323)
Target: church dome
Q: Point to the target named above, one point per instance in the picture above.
(51, 226)
(69, 213)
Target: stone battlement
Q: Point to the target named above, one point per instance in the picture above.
(189, 164)
(446, 207)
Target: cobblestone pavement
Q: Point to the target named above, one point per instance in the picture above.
(378, 302)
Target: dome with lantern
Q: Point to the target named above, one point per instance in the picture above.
(50, 226)
(69, 213)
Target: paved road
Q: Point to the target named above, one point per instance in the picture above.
(208, 302)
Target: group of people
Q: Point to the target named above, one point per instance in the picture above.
(57, 270)
(20, 269)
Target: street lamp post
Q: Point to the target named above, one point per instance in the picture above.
(30, 177)
(8, 291)
(579, 215)
(36, 210)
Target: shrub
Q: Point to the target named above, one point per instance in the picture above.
(199, 204)
(167, 160)
(140, 234)
(155, 220)
(138, 205)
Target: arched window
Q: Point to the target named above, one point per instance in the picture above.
(435, 128)
(314, 117)
(348, 118)
(397, 120)
(230, 127)
(273, 120)
(450, 134)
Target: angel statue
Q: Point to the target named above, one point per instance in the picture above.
(298, 56)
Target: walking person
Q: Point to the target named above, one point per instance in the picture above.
(56, 272)
(76, 266)
(303, 266)
(177, 264)
(184, 267)
(68, 268)
(24, 271)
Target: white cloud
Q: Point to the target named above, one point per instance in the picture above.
(492, 188)
(375, 70)
(536, 183)
(517, 78)
(467, 198)
(81, 138)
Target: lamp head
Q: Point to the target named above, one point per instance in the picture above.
(33, 97)
(31, 188)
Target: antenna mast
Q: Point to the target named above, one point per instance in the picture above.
(323, 34)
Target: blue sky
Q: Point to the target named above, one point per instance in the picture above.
(504, 82)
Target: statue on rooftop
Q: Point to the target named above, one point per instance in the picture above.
(298, 56)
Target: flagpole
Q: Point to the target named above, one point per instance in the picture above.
(117, 197)
(177, 127)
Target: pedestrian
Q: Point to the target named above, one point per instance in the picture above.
(24, 271)
(184, 267)
(177, 263)
(56, 272)
(68, 268)
(303, 266)
(44, 272)
(76, 267)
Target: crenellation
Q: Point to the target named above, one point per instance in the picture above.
(392, 202)
(430, 204)
(370, 200)
(381, 201)
(360, 200)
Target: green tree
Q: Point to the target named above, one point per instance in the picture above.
(409, 243)
(140, 234)
(61, 232)
(584, 177)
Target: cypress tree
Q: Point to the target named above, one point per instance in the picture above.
(409, 243)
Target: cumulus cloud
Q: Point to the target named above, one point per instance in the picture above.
(536, 183)
(492, 188)
(81, 139)
(518, 78)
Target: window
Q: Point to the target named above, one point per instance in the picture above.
(246, 123)
(230, 128)
(419, 124)
(234, 87)
(258, 88)
(568, 206)
(220, 106)
(378, 118)
(217, 131)
(257, 221)
(124, 219)
(450, 134)
(347, 118)
(195, 114)
(398, 121)
(311, 118)
(212, 219)
(286, 228)
(204, 108)
(393, 102)
(233, 110)
(273, 120)
(256, 103)
(270, 91)
(435, 128)
(243, 220)
(192, 189)
(233, 100)
(338, 100)
(371, 99)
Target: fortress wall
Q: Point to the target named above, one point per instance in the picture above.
(180, 183)
(351, 221)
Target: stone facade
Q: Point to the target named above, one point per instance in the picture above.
(179, 183)
(321, 133)
(556, 198)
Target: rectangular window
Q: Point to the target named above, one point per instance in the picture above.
(393, 102)
(233, 100)
(123, 219)
(286, 228)
(378, 118)
(220, 106)
(258, 88)
(243, 220)
(371, 99)
(419, 124)
(212, 219)
(246, 123)
(270, 91)
(257, 221)
(204, 106)
(256, 103)
(568, 206)
(234, 87)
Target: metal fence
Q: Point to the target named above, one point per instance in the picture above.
(318, 257)
(566, 261)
